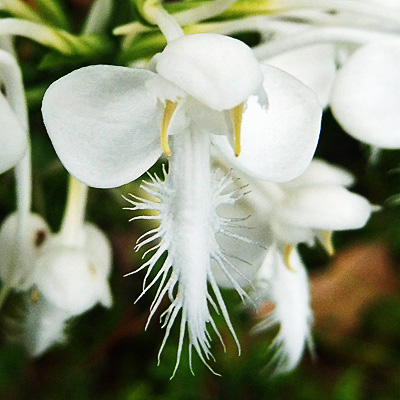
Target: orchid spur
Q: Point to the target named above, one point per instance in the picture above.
(110, 124)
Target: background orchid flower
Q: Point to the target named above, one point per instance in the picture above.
(64, 281)
(363, 92)
(310, 207)
(348, 58)
(106, 124)
(305, 210)
(32, 257)
(18, 248)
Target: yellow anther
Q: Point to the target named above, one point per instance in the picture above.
(169, 109)
(287, 251)
(35, 296)
(327, 242)
(237, 115)
(92, 270)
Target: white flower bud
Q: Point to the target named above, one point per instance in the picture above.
(18, 254)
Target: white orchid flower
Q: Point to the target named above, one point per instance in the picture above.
(62, 275)
(67, 272)
(19, 228)
(305, 210)
(75, 278)
(64, 282)
(105, 124)
(362, 94)
(68, 281)
(310, 207)
(350, 58)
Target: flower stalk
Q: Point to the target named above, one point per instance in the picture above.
(74, 215)
(322, 35)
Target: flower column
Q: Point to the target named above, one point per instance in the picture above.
(191, 209)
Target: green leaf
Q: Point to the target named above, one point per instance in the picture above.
(138, 11)
(56, 39)
(98, 17)
(142, 47)
(349, 386)
(19, 9)
(85, 45)
(53, 12)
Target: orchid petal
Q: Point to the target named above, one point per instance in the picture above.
(320, 172)
(288, 290)
(219, 71)
(313, 65)
(99, 249)
(277, 143)
(66, 278)
(365, 96)
(325, 207)
(18, 254)
(104, 124)
(44, 326)
(287, 232)
(13, 137)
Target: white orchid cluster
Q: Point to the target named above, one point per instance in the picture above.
(61, 275)
(226, 117)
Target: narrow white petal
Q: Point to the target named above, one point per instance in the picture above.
(104, 124)
(365, 96)
(289, 292)
(278, 143)
(43, 327)
(324, 207)
(315, 66)
(219, 71)
(13, 137)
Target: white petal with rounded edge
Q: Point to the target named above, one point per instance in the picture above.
(13, 137)
(325, 207)
(278, 143)
(287, 232)
(99, 249)
(320, 172)
(365, 96)
(315, 66)
(219, 71)
(66, 277)
(17, 264)
(104, 124)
